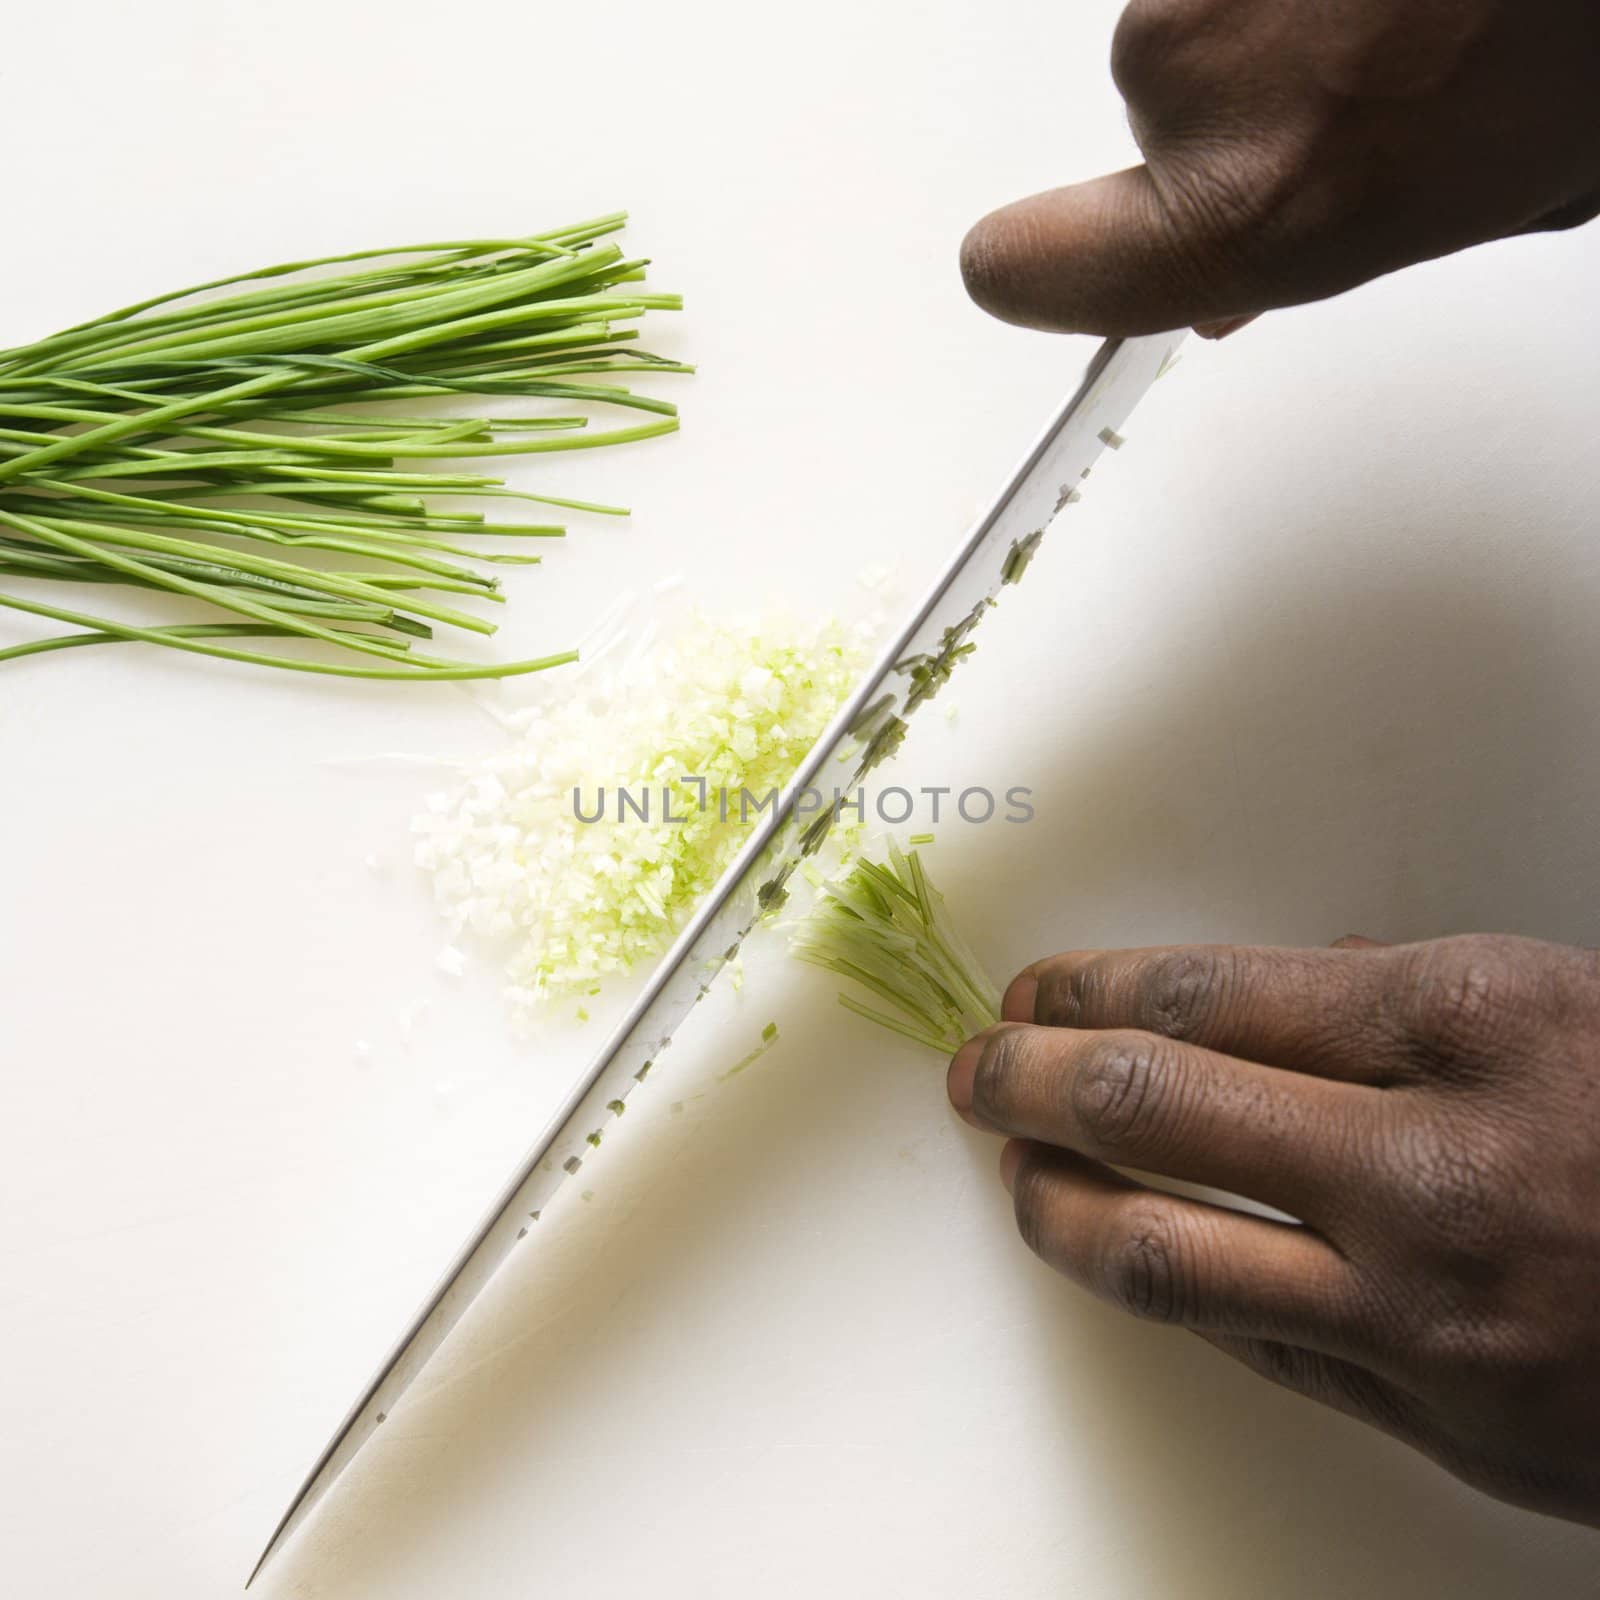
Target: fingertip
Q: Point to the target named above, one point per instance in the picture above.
(958, 1080)
(1092, 257)
(1010, 1159)
(984, 265)
(1018, 1005)
(1018, 263)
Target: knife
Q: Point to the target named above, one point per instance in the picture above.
(867, 731)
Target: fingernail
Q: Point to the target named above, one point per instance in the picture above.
(1010, 1160)
(1221, 330)
(958, 1081)
(1018, 1003)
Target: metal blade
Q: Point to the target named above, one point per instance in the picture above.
(870, 727)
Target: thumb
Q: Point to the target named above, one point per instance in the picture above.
(1103, 257)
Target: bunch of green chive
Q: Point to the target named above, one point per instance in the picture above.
(200, 445)
(884, 926)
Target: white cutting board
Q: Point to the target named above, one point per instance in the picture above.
(1317, 654)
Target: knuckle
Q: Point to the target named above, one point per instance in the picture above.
(1143, 1269)
(1183, 990)
(1498, 1344)
(1071, 993)
(1245, 192)
(1139, 47)
(1465, 1342)
(1470, 1237)
(1122, 1093)
(1453, 1182)
(1472, 999)
(1152, 38)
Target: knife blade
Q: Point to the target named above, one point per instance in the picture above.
(866, 732)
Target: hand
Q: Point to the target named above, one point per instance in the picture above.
(1431, 1112)
(1294, 151)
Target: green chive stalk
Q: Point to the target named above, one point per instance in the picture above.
(885, 928)
(202, 443)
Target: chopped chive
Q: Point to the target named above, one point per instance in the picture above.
(769, 1036)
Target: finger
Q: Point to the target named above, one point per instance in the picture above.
(1181, 1261)
(1358, 941)
(1329, 1012)
(1139, 1100)
(1100, 257)
(1342, 1385)
(1167, 245)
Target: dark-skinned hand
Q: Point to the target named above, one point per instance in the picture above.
(1294, 150)
(1430, 1113)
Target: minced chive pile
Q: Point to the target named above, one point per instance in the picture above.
(223, 449)
(884, 926)
(535, 850)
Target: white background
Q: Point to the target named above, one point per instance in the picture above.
(1317, 654)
